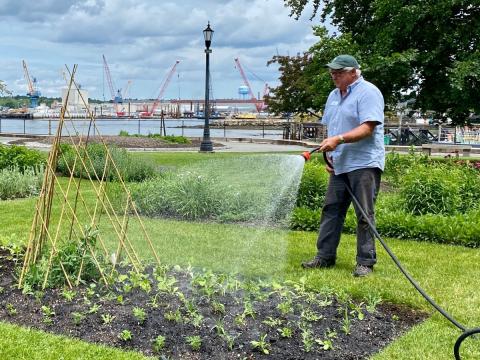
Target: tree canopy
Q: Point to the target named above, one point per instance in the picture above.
(425, 50)
(3, 88)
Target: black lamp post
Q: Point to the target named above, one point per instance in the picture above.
(206, 145)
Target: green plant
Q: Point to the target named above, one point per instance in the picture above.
(139, 314)
(48, 314)
(14, 156)
(129, 169)
(346, 324)
(159, 343)
(272, 322)
(107, 318)
(307, 338)
(68, 294)
(175, 316)
(285, 307)
(195, 342)
(77, 317)
(285, 332)
(218, 307)
(125, 335)
(17, 183)
(261, 344)
(11, 309)
(313, 185)
(310, 315)
(372, 300)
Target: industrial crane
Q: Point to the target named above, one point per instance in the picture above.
(259, 104)
(32, 91)
(116, 96)
(150, 113)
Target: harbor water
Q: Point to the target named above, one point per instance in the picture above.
(177, 127)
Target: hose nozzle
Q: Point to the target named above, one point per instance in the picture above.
(308, 154)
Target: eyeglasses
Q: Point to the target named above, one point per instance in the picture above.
(338, 72)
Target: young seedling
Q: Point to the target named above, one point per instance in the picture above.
(326, 344)
(125, 335)
(195, 342)
(68, 294)
(285, 332)
(77, 317)
(94, 309)
(175, 316)
(261, 345)
(107, 318)
(139, 314)
(346, 323)
(48, 314)
(218, 307)
(272, 322)
(285, 307)
(248, 309)
(372, 301)
(159, 343)
(11, 310)
(310, 315)
(307, 339)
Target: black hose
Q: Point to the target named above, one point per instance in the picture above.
(465, 332)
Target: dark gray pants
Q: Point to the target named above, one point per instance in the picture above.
(365, 184)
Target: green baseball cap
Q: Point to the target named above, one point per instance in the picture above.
(343, 61)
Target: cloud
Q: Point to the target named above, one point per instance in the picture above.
(142, 39)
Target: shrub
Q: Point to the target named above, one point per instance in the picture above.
(15, 183)
(313, 186)
(131, 169)
(305, 219)
(20, 157)
(440, 189)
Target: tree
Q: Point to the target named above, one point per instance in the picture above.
(422, 49)
(3, 88)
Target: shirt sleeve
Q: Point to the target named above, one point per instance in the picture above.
(371, 106)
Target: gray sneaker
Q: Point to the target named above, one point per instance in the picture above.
(318, 263)
(362, 270)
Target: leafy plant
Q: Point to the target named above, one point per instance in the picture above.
(125, 335)
(139, 314)
(11, 309)
(68, 294)
(159, 343)
(48, 314)
(261, 345)
(107, 318)
(195, 342)
(17, 183)
(285, 332)
(346, 323)
(77, 317)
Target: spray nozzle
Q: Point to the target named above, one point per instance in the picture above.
(308, 154)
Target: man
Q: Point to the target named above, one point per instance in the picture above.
(354, 119)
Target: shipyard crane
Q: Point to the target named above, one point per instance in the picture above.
(160, 94)
(32, 91)
(259, 104)
(116, 96)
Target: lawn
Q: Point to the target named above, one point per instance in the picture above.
(449, 274)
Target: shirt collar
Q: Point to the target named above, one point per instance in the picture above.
(351, 86)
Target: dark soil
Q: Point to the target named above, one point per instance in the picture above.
(131, 142)
(250, 310)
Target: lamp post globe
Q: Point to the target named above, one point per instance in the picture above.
(206, 145)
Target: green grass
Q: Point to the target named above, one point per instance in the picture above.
(28, 344)
(449, 274)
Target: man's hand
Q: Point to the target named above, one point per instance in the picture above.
(329, 144)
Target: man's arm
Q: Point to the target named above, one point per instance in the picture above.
(360, 132)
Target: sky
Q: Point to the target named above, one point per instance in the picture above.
(142, 40)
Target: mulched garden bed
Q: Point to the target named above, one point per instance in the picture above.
(178, 313)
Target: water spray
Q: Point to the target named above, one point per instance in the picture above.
(465, 332)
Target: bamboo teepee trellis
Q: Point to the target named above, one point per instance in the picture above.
(46, 235)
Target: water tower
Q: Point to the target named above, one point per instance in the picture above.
(243, 92)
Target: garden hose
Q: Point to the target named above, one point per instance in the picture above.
(465, 332)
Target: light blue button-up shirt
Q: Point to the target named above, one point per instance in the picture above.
(363, 102)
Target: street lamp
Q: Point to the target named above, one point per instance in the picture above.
(206, 145)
